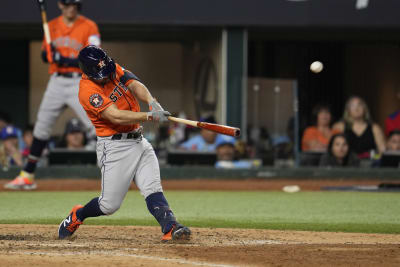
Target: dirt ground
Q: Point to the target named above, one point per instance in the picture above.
(37, 245)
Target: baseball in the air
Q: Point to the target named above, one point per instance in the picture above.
(316, 66)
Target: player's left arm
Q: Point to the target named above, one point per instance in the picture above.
(140, 91)
(93, 38)
(94, 35)
(379, 138)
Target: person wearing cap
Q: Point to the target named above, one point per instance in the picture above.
(10, 147)
(225, 148)
(74, 135)
(226, 155)
(69, 33)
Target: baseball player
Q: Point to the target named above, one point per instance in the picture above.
(109, 94)
(69, 32)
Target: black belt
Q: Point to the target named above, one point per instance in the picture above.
(133, 135)
(69, 74)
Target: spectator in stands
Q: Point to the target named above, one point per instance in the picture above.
(392, 122)
(225, 149)
(74, 135)
(393, 143)
(362, 134)
(27, 136)
(339, 154)
(10, 147)
(227, 155)
(316, 137)
(5, 120)
(205, 141)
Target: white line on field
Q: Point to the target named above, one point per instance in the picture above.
(180, 261)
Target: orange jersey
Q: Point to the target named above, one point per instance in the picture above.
(96, 98)
(312, 134)
(70, 40)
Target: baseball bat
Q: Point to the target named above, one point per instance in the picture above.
(218, 128)
(42, 7)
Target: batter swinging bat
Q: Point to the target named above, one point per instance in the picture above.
(222, 129)
(42, 7)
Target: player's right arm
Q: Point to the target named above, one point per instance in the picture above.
(127, 117)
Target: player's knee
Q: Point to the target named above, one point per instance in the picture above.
(109, 207)
(148, 190)
(42, 131)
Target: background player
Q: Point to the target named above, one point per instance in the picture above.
(69, 32)
(109, 95)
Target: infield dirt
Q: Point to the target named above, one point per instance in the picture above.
(37, 245)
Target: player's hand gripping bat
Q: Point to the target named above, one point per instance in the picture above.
(222, 129)
(42, 7)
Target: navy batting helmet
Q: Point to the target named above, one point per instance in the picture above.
(95, 63)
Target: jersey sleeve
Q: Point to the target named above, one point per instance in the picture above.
(93, 100)
(93, 35)
(126, 76)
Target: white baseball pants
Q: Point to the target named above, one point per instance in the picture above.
(122, 161)
(60, 93)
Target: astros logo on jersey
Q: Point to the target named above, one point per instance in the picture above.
(96, 100)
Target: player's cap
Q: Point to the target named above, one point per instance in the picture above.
(95, 63)
(71, 2)
(74, 126)
(8, 132)
(225, 140)
(209, 119)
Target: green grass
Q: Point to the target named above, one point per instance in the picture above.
(317, 211)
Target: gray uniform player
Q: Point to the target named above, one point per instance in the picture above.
(110, 95)
(69, 32)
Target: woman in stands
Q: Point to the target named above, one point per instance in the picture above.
(316, 137)
(339, 154)
(362, 134)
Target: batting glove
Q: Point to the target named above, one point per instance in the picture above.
(55, 54)
(155, 106)
(160, 115)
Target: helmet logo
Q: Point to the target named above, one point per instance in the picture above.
(101, 64)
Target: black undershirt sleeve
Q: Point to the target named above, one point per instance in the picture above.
(128, 76)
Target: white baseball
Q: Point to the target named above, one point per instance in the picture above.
(316, 67)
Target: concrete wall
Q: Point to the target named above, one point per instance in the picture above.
(372, 71)
(270, 104)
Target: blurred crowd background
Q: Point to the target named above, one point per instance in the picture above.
(249, 70)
